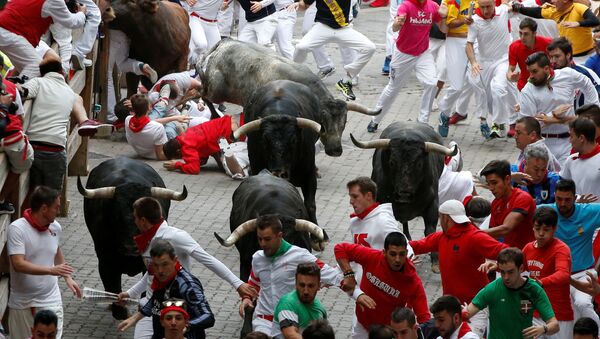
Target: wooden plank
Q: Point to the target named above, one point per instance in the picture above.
(74, 141)
(77, 83)
(3, 168)
(3, 295)
(102, 73)
(4, 222)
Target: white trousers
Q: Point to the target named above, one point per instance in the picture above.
(62, 36)
(262, 325)
(86, 40)
(321, 34)
(358, 331)
(565, 329)
(495, 85)
(455, 56)
(260, 31)
(285, 32)
(390, 36)
(143, 329)
(198, 43)
(479, 323)
(225, 19)
(582, 302)
(471, 89)
(20, 321)
(437, 47)
(560, 148)
(20, 52)
(401, 66)
(211, 31)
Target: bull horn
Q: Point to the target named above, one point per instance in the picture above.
(95, 193)
(356, 107)
(307, 123)
(165, 193)
(377, 143)
(247, 128)
(434, 147)
(239, 232)
(307, 226)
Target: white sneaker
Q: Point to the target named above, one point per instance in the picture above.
(355, 80)
(78, 62)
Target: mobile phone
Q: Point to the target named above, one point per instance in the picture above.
(471, 8)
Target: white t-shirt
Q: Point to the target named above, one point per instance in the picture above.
(492, 35)
(143, 142)
(584, 172)
(454, 185)
(39, 248)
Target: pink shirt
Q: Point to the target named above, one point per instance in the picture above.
(413, 37)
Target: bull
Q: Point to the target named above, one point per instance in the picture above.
(266, 194)
(233, 70)
(407, 164)
(112, 188)
(282, 133)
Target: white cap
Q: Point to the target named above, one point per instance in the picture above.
(456, 210)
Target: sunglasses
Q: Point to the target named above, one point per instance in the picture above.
(177, 303)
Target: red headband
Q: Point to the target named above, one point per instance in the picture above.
(176, 309)
(467, 199)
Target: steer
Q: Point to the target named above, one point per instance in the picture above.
(266, 194)
(233, 70)
(282, 133)
(111, 189)
(407, 164)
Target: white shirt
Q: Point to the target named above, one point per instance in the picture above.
(39, 248)
(468, 335)
(186, 249)
(584, 172)
(492, 35)
(143, 142)
(546, 27)
(57, 9)
(565, 85)
(454, 185)
(208, 9)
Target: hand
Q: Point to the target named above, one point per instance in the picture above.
(587, 198)
(125, 324)
(560, 111)
(182, 118)
(81, 8)
(475, 69)
(517, 108)
(6, 99)
(487, 267)
(256, 6)
(468, 20)
(570, 24)
(127, 103)
(443, 10)
(400, 19)
(417, 259)
(465, 311)
(200, 105)
(73, 286)
(521, 178)
(364, 300)
(61, 270)
(533, 331)
(170, 165)
(225, 5)
(348, 284)
(513, 76)
(546, 119)
(191, 2)
(293, 7)
(246, 290)
(245, 303)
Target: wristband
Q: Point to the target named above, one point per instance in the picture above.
(545, 329)
(465, 315)
(348, 274)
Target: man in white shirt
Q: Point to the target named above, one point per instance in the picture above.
(36, 262)
(583, 167)
(528, 132)
(549, 95)
(147, 216)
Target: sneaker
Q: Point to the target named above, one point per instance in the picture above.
(89, 128)
(511, 131)
(18, 79)
(346, 89)
(485, 130)
(150, 73)
(324, 73)
(456, 118)
(379, 3)
(496, 132)
(78, 62)
(443, 126)
(6, 208)
(372, 127)
(386, 66)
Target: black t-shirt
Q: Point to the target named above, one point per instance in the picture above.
(435, 31)
(333, 13)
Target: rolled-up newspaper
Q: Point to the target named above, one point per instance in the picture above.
(103, 297)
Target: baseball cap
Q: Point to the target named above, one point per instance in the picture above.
(455, 210)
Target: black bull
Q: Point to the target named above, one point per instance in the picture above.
(282, 133)
(112, 188)
(407, 164)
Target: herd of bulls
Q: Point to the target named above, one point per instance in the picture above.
(287, 109)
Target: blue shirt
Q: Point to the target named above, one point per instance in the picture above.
(593, 63)
(542, 193)
(577, 232)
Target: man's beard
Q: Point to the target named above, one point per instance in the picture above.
(540, 82)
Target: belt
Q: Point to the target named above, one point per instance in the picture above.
(265, 316)
(201, 18)
(583, 270)
(558, 136)
(47, 148)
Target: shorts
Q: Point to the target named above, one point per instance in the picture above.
(48, 169)
(20, 156)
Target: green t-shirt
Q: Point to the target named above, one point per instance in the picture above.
(511, 311)
(290, 311)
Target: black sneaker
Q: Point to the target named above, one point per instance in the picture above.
(6, 208)
(372, 127)
(346, 89)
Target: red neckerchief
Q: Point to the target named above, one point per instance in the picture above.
(594, 152)
(367, 210)
(143, 239)
(137, 124)
(27, 215)
(598, 140)
(158, 285)
(478, 12)
(463, 330)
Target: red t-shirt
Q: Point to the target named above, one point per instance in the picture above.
(551, 265)
(520, 202)
(518, 52)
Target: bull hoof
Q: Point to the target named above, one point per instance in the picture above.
(435, 268)
(119, 312)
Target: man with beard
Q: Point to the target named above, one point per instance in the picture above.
(297, 309)
(448, 319)
(549, 97)
(519, 50)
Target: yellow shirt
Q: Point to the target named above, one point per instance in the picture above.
(458, 11)
(580, 37)
(7, 65)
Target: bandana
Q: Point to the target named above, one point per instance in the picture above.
(143, 239)
(463, 330)
(467, 200)
(159, 285)
(594, 152)
(285, 246)
(478, 12)
(366, 212)
(166, 310)
(27, 215)
(137, 124)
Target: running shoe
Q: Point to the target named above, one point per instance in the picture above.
(485, 130)
(495, 132)
(324, 73)
(443, 126)
(456, 118)
(372, 127)
(346, 89)
(511, 131)
(386, 66)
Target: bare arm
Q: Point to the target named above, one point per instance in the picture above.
(511, 220)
